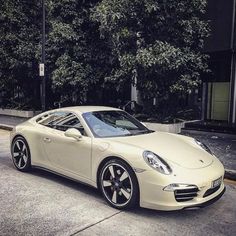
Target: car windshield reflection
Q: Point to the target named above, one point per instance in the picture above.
(113, 124)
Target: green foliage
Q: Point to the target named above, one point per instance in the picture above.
(77, 58)
(19, 43)
(99, 45)
(161, 40)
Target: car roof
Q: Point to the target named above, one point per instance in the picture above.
(83, 109)
(76, 109)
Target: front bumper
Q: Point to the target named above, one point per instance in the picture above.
(153, 196)
(209, 202)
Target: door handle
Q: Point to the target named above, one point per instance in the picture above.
(47, 140)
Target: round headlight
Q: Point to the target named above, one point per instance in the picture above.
(156, 162)
(203, 146)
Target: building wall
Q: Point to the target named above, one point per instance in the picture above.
(220, 14)
(221, 48)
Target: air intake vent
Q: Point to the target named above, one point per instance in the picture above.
(183, 195)
(211, 191)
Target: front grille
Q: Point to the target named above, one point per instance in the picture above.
(211, 191)
(187, 194)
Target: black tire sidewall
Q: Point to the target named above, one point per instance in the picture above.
(135, 194)
(28, 164)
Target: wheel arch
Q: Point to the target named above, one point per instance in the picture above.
(18, 136)
(102, 163)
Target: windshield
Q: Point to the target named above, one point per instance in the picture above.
(113, 124)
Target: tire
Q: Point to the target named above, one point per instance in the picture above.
(119, 184)
(21, 154)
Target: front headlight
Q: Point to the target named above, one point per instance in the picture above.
(203, 146)
(156, 162)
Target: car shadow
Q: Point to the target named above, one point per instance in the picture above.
(73, 184)
(169, 214)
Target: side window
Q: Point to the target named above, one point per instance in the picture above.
(61, 121)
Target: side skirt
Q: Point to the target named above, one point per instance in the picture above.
(64, 176)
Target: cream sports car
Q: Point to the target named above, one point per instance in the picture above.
(109, 149)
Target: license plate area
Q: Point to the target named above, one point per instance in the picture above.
(216, 182)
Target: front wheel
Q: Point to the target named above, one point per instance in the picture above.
(119, 184)
(21, 154)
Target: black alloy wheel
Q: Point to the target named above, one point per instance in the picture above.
(119, 184)
(21, 154)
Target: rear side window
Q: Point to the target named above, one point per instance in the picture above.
(61, 121)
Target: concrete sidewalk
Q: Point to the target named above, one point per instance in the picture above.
(222, 145)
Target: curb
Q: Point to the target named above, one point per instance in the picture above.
(199, 132)
(6, 127)
(229, 174)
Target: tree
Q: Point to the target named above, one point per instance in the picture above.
(160, 40)
(78, 59)
(19, 47)
(93, 45)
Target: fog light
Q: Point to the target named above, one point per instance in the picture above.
(174, 186)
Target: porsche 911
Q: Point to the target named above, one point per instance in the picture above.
(110, 150)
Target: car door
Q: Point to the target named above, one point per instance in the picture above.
(66, 153)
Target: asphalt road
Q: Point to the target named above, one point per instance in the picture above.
(40, 203)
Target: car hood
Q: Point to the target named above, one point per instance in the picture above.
(178, 149)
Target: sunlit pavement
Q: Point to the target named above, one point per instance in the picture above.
(40, 203)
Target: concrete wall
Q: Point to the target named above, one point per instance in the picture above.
(17, 113)
(170, 128)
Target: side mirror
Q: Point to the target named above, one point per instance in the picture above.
(73, 133)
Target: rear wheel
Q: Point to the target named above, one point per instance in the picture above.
(118, 184)
(21, 154)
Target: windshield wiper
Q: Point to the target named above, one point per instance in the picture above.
(128, 134)
(139, 132)
(144, 132)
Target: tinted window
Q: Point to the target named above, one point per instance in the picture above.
(61, 121)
